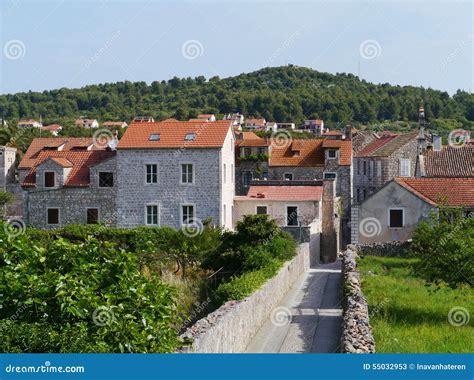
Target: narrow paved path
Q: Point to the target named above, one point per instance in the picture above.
(309, 317)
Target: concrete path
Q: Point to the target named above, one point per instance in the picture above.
(309, 317)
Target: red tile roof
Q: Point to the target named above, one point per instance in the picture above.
(39, 144)
(258, 122)
(449, 162)
(79, 161)
(441, 191)
(387, 144)
(52, 127)
(308, 153)
(284, 193)
(172, 134)
(114, 123)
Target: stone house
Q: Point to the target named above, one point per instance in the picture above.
(393, 212)
(387, 157)
(175, 173)
(70, 187)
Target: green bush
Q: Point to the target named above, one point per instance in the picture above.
(86, 296)
(242, 286)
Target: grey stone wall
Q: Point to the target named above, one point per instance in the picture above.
(231, 327)
(356, 331)
(386, 249)
(169, 194)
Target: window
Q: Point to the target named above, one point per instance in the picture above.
(53, 216)
(152, 215)
(49, 179)
(154, 137)
(405, 167)
(247, 151)
(187, 213)
(288, 176)
(225, 173)
(190, 137)
(261, 150)
(247, 178)
(187, 173)
(151, 173)
(395, 218)
(330, 175)
(365, 168)
(379, 168)
(371, 169)
(262, 210)
(92, 215)
(332, 153)
(106, 179)
(291, 216)
(364, 194)
(358, 195)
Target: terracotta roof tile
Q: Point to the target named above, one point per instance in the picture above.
(172, 135)
(450, 162)
(80, 161)
(40, 144)
(284, 193)
(441, 191)
(386, 145)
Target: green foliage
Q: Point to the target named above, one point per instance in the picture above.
(255, 157)
(445, 251)
(408, 317)
(5, 198)
(288, 93)
(87, 296)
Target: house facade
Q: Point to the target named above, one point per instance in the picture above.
(176, 173)
(382, 160)
(7, 166)
(393, 212)
(86, 123)
(29, 124)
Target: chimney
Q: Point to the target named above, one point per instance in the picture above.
(348, 132)
(437, 144)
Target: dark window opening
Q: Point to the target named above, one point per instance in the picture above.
(396, 218)
(49, 179)
(106, 179)
(53, 216)
(292, 216)
(92, 215)
(261, 210)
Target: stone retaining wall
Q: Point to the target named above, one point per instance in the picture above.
(356, 331)
(230, 328)
(387, 249)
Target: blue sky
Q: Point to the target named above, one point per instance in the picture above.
(53, 44)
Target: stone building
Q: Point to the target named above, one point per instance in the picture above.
(7, 166)
(176, 173)
(393, 212)
(388, 156)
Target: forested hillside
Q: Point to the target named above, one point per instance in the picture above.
(288, 93)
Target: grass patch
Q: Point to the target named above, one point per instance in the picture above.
(409, 317)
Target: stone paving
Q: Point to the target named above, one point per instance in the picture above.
(309, 317)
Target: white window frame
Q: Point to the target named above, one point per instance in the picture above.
(158, 210)
(324, 175)
(59, 216)
(407, 162)
(44, 179)
(146, 173)
(335, 154)
(266, 208)
(181, 214)
(193, 173)
(297, 215)
(285, 174)
(402, 209)
(98, 180)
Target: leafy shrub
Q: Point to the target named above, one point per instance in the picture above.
(84, 296)
(445, 250)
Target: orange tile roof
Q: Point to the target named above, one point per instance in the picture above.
(441, 191)
(311, 152)
(79, 161)
(283, 193)
(114, 123)
(172, 135)
(259, 122)
(39, 144)
(52, 127)
(387, 144)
